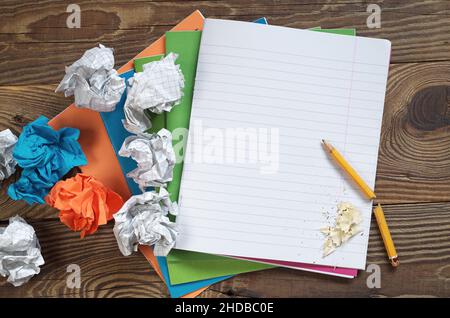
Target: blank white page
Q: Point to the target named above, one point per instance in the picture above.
(288, 89)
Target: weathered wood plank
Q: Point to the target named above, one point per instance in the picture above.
(414, 161)
(419, 231)
(36, 44)
(105, 272)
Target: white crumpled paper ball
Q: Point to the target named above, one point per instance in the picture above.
(20, 252)
(143, 219)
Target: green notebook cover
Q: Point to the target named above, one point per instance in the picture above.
(139, 62)
(351, 32)
(158, 120)
(186, 44)
(186, 266)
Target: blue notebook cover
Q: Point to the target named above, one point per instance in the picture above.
(262, 20)
(117, 134)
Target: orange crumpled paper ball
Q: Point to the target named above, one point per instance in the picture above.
(84, 203)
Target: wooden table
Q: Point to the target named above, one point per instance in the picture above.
(413, 177)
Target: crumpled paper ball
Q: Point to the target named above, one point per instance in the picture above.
(20, 252)
(45, 155)
(143, 219)
(7, 162)
(158, 88)
(155, 158)
(348, 219)
(93, 81)
(84, 203)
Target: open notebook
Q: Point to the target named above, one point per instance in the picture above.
(256, 182)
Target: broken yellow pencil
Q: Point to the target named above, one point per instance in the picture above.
(386, 235)
(347, 168)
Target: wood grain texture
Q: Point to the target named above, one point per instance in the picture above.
(413, 175)
(34, 37)
(420, 232)
(414, 157)
(105, 272)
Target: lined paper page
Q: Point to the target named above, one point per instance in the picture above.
(256, 181)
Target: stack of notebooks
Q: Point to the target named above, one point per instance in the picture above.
(306, 85)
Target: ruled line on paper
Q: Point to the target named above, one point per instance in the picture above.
(288, 72)
(279, 175)
(265, 188)
(310, 217)
(250, 195)
(305, 139)
(284, 89)
(296, 246)
(236, 141)
(288, 63)
(272, 236)
(273, 216)
(281, 162)
(202, 182)
(254, 224)
(335, 142)
(278, 125)
(252, 205)
(282, 116)
(293, 108)
(189, 169)
(246, 161)
(293, 54)
(198, 89)
(246, 241)
(289, 81)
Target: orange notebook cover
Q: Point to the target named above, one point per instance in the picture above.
(94, 140)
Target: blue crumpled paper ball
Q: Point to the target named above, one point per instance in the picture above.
(45, 155)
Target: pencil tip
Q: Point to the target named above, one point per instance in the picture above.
(395, 262)
(326, 145)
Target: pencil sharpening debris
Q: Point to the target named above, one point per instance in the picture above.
(7, 162)
(93, 81)
(347, 225)
(155, 158)
(20, 252)
(157, 89)
(144, 220)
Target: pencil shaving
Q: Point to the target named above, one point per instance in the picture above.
(347, 225)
